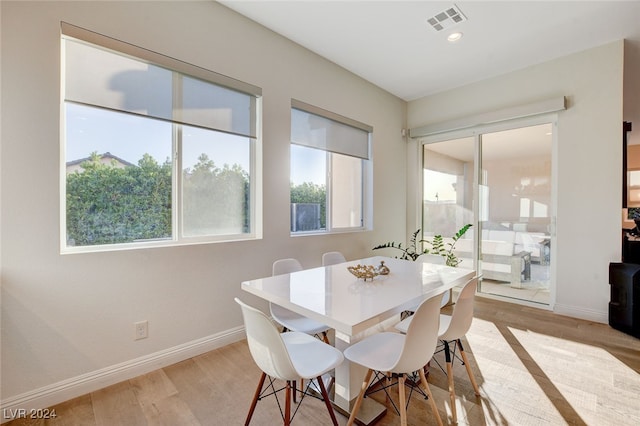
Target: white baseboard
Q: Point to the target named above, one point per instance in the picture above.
(515, 301)
(560, 309)
(71, 388)
(582, 313)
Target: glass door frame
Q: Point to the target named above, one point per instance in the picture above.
(476, 132)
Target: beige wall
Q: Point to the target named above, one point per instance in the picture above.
(66, 324)
(587, 161)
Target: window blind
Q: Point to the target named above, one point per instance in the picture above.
(103, 78)
(316, 128)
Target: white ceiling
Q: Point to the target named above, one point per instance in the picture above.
(390, 43)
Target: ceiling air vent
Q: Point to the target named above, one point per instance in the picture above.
(447, 18)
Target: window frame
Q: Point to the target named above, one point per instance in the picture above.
(366, 201)
(177, 238)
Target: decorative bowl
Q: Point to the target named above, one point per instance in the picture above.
(365, 272)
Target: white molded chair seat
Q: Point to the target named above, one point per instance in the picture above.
(291, 320)
(452, 328)
(289, 356)
(332, 258)
(402, 354)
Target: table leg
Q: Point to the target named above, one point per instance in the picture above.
(349, 376)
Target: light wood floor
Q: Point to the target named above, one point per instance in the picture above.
(533, 368)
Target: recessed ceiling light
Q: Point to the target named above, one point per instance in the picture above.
(453, 37)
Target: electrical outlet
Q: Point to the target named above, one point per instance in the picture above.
(141, 330)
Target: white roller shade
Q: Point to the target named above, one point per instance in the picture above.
(317, 131)
(103, 78)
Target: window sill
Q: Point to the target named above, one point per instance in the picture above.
(143, 245)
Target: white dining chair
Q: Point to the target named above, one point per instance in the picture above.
(452, 328)
(289, 356)
(400, 354)
(289, 320)
(445, 301)
(332, 258)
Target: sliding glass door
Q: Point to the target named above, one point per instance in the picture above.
(515, 187)
(501, 182)
(448, 193)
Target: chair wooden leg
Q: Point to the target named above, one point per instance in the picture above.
(255, 399)
(325, 338)
(402, 400)
(468, 367)
(295, 389)
(287, 405)
(452, 392)
(427, 389)
(356, 406)
(327, 402)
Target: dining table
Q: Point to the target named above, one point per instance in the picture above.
(355, 308)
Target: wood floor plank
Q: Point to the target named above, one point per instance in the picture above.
(78, 411)
(153, 386)
(117, 405)
(160, 401)
(195, 388)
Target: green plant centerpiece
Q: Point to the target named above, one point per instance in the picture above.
(437, 247)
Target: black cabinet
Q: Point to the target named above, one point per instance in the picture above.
(624, 305)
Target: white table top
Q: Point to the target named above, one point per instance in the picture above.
(333, 296)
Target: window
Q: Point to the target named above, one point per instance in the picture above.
(329, 169)
(156, 151)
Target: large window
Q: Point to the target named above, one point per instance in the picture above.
(156, 151)
(329, 169)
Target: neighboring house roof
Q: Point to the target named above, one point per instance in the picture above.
(105, 158)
